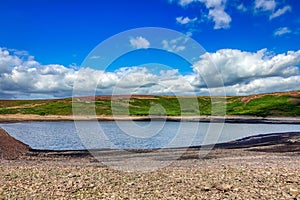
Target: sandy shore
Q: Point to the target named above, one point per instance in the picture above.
(260, 167)
(9, 118)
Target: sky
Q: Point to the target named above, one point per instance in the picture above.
(248, 47)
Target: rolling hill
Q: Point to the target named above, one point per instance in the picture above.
(263, 105)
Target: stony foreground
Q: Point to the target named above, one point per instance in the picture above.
(193, 179)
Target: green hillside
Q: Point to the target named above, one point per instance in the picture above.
(275, 104)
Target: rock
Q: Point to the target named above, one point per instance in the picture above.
(70, 175)
(206, 188)
(223, 187)
(236, 190)
(293, 141)
(294, 191)
(91, 186)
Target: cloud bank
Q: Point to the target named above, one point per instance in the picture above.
(247, 73)
(21, 76)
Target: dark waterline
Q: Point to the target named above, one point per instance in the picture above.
(139, 135)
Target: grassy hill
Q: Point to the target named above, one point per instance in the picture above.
(275, 104)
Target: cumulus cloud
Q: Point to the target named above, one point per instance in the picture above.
(265, 85)
(185, 20)
(217, 13)
(20, 76)
(220, 17)
(281, 31)
(139, 43)
(242, 68)
(242, 73)
(265, 5)
(281, 11)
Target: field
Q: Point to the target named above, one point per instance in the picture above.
(285, 104)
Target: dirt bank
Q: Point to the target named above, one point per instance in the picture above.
(11, 148)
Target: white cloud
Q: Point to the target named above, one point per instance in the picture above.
(185, 2)
(213, 3)
(185, 20)
(220, 17)
(239, 67)
(281, 11)
(95, 57)
(282, 31)
(23, 77)
(176, 44)
(173, 47)
(265, 5)
(216, 12)
(139, 43)
(242, 7)
(265, 85)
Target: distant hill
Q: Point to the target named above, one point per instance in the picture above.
(263, 105)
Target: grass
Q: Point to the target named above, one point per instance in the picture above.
(268, 105)
(276, 104)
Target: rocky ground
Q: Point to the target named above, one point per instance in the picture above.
(238, 170)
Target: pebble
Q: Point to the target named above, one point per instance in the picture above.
(70, 175)
(223, 187)
(294, 191)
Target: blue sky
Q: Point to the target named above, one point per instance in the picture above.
(56, 36)
(64, 32)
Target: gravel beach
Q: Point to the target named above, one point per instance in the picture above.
(236, 170)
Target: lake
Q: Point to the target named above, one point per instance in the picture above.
(136, 135)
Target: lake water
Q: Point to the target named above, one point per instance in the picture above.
(124, 135)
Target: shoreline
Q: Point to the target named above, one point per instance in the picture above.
(13, 118)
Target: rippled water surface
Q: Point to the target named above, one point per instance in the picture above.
(68, 136)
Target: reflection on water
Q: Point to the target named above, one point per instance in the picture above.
(64, 136)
